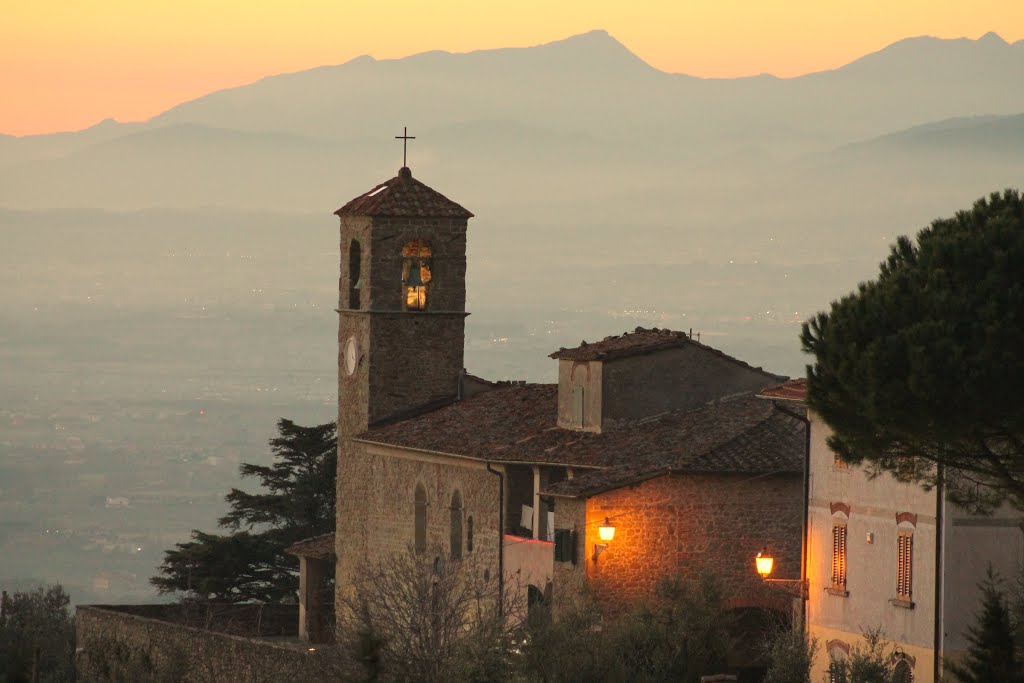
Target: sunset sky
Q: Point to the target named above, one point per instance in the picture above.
(67, 64)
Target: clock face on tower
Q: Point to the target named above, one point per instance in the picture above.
(351, 355)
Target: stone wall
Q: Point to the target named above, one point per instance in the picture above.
(686, 525)
(414, 360)
(116, 644)
(681, 378)
(376, 507)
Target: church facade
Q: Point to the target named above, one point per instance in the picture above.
(651, 457)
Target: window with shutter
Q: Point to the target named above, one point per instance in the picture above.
(565, 545)
(839, 557)
(904, 565)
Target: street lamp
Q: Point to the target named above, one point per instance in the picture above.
(764, 563)
(606, 532)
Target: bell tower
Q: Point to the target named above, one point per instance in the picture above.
(402, 303)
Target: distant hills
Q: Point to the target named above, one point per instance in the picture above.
(576, 132)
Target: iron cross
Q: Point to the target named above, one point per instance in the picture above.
(404, 137)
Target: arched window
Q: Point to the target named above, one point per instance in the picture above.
(354, 281)
(456, 541)
(420, 544)
(415, 275)
(902, 673)
(469, 534)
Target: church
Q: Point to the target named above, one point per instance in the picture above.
(651, 457)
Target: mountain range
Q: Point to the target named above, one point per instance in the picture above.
(570, 133)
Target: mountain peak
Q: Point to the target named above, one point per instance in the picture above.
(993, 38)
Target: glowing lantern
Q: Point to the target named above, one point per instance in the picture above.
(606, 531)
(764, 563)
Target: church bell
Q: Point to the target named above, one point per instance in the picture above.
(415, 276)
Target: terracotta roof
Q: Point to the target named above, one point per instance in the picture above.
(793, 390)
(403, 195)
(739, 436)
(641, 341)
(516, 424)
(319, 547)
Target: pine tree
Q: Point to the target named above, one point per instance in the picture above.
(992, 656)
(921, 367)
(249, 563)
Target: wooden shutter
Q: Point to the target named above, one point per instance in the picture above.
(904, 565)
(839, 556)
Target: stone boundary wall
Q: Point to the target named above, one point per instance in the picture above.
(246, 619)
(114, 645)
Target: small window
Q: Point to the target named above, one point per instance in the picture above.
(534, 598)
(565, 545)
(839, 557)
(577, 406)
(355, 284)
(456, 531)
(904, 565)
(469, 534)
(420, 542)
(416, 275)
(838, 462)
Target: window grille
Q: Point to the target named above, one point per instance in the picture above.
(904, 565)
(839, 556)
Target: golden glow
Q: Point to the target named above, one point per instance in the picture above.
(606, 531)
(416, 275)
(764, 563)
(68, 64)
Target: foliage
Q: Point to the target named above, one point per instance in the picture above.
(41, 619)
(249, 563)
(415, 617)
(992, 654)
(791, 656)
(921, 367)
(871, 664)
(683, 634)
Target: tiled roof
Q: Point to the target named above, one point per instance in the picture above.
(516, 424)
(641, 341)
(319, 547)
(739, 436)
(793, 390)
(403, 195)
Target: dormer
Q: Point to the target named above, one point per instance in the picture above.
(644, 373)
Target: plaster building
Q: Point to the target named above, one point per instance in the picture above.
(649, 432)
(885, 553)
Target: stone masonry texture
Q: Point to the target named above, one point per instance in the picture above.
(688, 524)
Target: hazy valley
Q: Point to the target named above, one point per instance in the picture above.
(169, 286)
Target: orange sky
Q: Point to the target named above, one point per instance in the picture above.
(66, 64)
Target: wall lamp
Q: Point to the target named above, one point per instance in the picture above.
(606, 532)
(764, 563)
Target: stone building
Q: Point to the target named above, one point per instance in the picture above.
(886, 553)
(649, 432)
